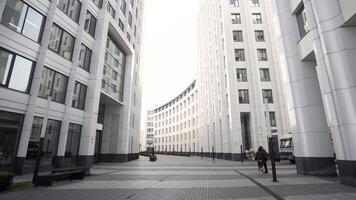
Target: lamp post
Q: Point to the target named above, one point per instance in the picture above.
(39, 149)
(270, 141)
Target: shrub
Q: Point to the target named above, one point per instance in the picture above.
(6, 180)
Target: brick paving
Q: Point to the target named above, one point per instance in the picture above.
(172, 177)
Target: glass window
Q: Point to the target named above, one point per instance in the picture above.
(73, 140)
(262, 54)
(53, 84)
(237, 36)
(121, 25)
(123, 7)
(272, 119)
(19, 17)
(234, 3)
(111, 10)
(98, 3)
(90, 23)
(302, 22)
(15, 71)
(61, 42)
(239, 55)
(259, 36)
(243, 96)
(267, 94)
(85, 58)
(257, 19)
(70, 8)
(265, 77)
(79, 96)
(241, 75)
(255, 3)
(235, 18)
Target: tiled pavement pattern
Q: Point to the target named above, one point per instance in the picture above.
(189, 178)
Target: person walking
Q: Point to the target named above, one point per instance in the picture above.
(261, 158)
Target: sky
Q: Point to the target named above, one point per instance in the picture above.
(169, 50)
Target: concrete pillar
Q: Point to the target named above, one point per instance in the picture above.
(312, 145)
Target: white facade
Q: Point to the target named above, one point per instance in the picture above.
(237, 68)
(149, 133)
(317, 49)
(175, 123)
(92, 110)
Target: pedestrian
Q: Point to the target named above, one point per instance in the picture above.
(261, 158)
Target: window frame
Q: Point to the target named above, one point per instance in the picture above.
(60, 42)
(269, 98)
(240, 98)
(243, 78)
(85, 68)
(79, 92)
(239, 35)
(259, 52)
(257, 20)
(256, 35)
(263, 78)
(90, 24)
(66, 12)
(241, 59)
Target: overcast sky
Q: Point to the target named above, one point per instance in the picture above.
(169, 53)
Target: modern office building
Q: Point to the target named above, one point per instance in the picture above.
(70, 71)
(149, 133)
(317, 42)
(236, 74)
(175, 123)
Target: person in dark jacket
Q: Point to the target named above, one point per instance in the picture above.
(261, 158)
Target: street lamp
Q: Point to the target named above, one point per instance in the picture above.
(270, 141)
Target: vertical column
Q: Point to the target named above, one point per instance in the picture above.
(312, 145)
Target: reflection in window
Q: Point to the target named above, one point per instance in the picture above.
(70, 8)
(15, 71)
(267, 95)
(235, 18)
(264, 73)
(90, 23)
(239, 55)
(79, 95)
(234, 3)
(73, 140)
(302, 22)
(53, 84)
(61, 42)
(241, 75)
(262, 54)
(259, 36)
(257, 19)
(237, 36)
(84, 58)
(243, 97)
(19, 17)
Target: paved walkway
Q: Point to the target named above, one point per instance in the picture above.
(188, 178)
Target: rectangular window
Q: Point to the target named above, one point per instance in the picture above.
(243, 97)
(15, 71)
(262, 54)
(84, 58)
(53, 84)
(23, 19)
(110, 10)
(255, 3)
(237, 36)
(264, 73)
(123, 7)
(302, 22)
(235, 18)
(234, 3)
(73, 140)
(259, 36)
(70, 8)
(267, 95)
(98, 3)
(90, 23)
(61, 42)
(239, 55)
(129, 19)
(257, 19)
(79, 95)
(272, 119)
(241, 75)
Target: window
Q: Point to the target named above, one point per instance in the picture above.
(129, 19)
(121, 25)
(98, 3)
(264, 73)
(70, 8)
(257, 19)
(262, 54)
(114, 75)
(79, 95)
(243, 96)
(84, 58)
(21, 18)
(235, 18)
(237, 36)
(272, 119)
(53, 84)
(128, 36)
(90, 23)
(61, 42)
(259, 36)
(234, 3)
(302, 22)
(15, 71)
(110, 10)
(239, 55)
(123, 7)
(241, 75)
(267, 95)
(73, 140)
(255, 3)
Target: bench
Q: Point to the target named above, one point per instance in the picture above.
(61, 174)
